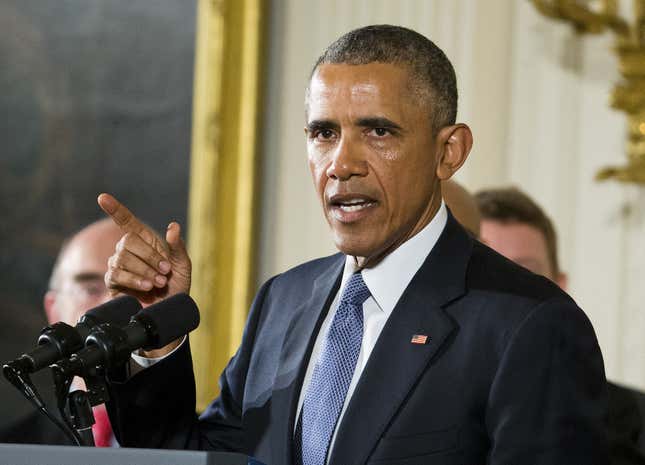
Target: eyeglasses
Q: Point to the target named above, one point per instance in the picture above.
(84, 289)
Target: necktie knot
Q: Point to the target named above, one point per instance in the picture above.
(356, 291)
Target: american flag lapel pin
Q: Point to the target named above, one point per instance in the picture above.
(419, 339)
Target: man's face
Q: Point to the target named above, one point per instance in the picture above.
(80, 276)
(521, 243)
(371, 153)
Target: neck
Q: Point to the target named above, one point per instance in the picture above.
(424, 219)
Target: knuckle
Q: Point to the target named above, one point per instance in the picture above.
(120, 246)
(128, 238)
(113, 261)
(109, 279)
(119, 261)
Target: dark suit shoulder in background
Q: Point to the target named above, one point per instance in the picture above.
(626, 425)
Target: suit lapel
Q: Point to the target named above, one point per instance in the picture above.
(395, 363)
(296, 350)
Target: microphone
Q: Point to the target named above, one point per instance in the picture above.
(152, 328)
(60, 340)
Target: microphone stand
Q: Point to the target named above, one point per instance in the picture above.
(81, 416)
(17, 375)
(76, 406)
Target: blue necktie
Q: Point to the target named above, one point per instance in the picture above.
(332, 375)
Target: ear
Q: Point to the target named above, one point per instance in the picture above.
(455, 143)
(49, 302)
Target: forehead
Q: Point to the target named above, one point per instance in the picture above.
(89, 252)
(514, 238)
(374, 86)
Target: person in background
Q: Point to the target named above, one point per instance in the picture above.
(462, 205)
(516, 227)
(76, 286)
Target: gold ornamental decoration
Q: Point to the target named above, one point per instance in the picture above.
(596, 17)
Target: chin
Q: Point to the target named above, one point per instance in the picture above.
(353, 246)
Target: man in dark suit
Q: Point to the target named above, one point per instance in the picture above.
(515, 226)
(414, 345)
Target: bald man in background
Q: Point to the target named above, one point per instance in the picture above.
(76, 286)
(77, 283)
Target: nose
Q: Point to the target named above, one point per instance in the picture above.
(347, 161)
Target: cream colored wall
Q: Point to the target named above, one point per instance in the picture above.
(536, 98)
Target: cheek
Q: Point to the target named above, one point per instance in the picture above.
(388, 151)
(71, 310)
(317, 167)
(88, 304)
(407, 191)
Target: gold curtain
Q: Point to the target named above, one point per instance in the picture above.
(223, 179)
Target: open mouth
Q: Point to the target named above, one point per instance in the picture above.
(354, 205)
(351, 204)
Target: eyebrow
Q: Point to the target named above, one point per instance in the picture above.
(366, 122)
(377, 122)
(87, 276)
(318, 124)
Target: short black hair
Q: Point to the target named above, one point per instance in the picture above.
(385, 43)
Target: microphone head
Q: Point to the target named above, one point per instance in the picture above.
(117, 311)
(169, 319)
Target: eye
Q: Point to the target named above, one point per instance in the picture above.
(380, 132)
(93, 289)
(323, 134)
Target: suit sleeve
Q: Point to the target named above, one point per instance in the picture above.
(156, 407)
(548, 401)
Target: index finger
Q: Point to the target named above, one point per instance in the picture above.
(119, 213)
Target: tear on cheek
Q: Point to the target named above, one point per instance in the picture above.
(389, 155)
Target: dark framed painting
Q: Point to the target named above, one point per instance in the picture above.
(95, 97)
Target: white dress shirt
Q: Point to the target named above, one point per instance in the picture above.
(386, 282)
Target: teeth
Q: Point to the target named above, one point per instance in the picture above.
(353, 202)
(353, 208)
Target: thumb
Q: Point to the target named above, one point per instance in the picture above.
(174, 240)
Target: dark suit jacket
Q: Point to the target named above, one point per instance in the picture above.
(626, 425)
(511, 374)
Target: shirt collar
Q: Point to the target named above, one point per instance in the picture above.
(389, 278)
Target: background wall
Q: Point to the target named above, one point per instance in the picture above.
(536, 97)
